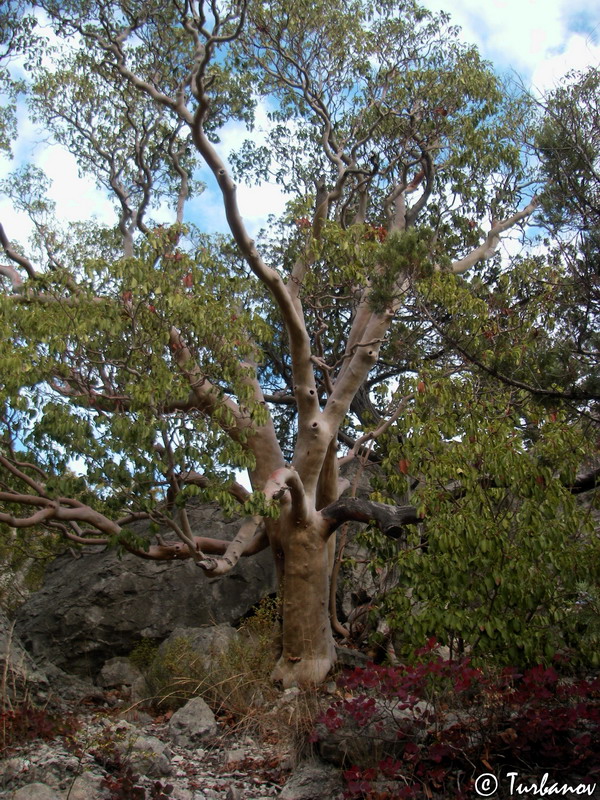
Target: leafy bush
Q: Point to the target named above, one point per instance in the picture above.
(496, 567)
(434, 724)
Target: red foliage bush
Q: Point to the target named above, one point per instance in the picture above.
(25, 723)
(466, 722)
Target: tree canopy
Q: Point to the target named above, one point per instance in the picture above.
(377, 319)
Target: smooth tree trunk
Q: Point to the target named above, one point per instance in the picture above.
(308, 648)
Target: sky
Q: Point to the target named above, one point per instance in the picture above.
(540, 40)
(534, 41)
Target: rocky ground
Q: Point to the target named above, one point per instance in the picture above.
(129, 755)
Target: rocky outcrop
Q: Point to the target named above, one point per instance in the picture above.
(97, 606)
(21, 677)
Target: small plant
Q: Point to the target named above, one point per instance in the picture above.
(143, 654)
(25, 722)
(122, 782)
(124, 785)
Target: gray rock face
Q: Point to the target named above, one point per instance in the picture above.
(192, 724)
(118, 672)
(98, 606)
(23, 676)
(209, 642)
(87, 786)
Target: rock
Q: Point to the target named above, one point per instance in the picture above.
(67, 687)
(53, 765)
(87, 786)
(184, 794)
(208, 641)
(313, 780)
(136, 716)
(235, 756)
(12, 769)
(99, 606)
(23, 675)
(150, 756)
(118, 672)
(146, 754)
(36, 791)
(192, 724)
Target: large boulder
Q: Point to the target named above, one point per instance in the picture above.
(96, 606)
(192, 724)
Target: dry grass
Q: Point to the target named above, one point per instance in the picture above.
(237, 684)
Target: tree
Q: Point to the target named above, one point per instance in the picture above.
(164, 358)
(568, 146)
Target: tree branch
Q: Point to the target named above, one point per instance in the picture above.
(235, 549)
(490, 245)
(391, 520)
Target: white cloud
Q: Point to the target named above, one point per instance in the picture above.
(579, 53)
(76, 198)
(540, 39)
(533, 37)
(255, 202)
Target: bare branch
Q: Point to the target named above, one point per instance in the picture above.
(288, 479)
(236, 548)
(489, 247)
(391, 520)
(11, 273)
(14, 256)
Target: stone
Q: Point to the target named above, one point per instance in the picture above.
(192, 724)
(313, 780)
(98, 606)
(52, 764)
(36, 791)
(13, 769)
(146, 755)
(235, 756)
(208, 641)
(23, 676)
(149, 756)
(87, 786)
(182, 794)
(68, 687)
(117, 672)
